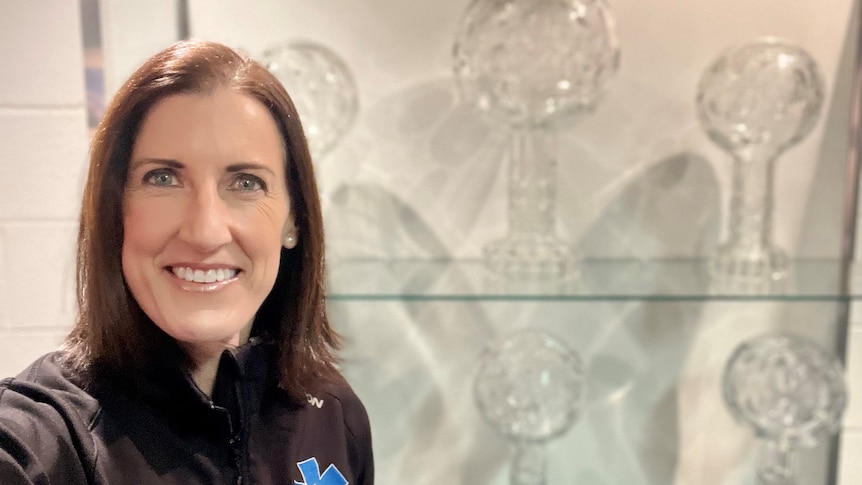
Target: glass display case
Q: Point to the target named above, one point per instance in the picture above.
(418, 186)
(654, 326)
(655, 338)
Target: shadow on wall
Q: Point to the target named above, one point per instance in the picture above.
(423, 155)
(672, 208)
(431, 156)
(366, 220)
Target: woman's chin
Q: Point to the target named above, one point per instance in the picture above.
(206, 334)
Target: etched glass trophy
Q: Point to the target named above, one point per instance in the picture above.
(534, 66)
(755, 101)
(790, 392)
(322, 89)
(531, 388)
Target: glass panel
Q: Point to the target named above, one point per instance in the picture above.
(653, 413)
(600, 279)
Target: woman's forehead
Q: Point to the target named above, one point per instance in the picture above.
(224, 125)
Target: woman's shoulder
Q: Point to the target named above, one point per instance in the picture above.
(338, 392)
(47, 386)
(342, 402)
(337, 389)
(45, 425)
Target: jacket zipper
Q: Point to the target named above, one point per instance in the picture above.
(234, 442)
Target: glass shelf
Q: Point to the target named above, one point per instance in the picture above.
(600, 279)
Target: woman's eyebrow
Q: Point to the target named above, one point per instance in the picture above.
(239, 167)
(168, 162)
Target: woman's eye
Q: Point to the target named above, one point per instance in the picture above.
(161, 178)
(248, 182)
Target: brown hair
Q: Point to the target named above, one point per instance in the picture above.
(113, 335)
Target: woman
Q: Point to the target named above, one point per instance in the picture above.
(202, 352)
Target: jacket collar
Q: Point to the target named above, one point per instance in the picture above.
(245, 374)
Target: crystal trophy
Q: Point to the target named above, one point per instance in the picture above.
(755, 101)
(534, 66)
(531, 388)
(322, 89)
(790, 392)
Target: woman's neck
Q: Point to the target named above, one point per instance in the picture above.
(205, 359)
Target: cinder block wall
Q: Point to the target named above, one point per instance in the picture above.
(43, 147)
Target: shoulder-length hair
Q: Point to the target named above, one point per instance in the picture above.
(112, 334)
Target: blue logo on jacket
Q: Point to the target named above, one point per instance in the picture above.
(311, 474)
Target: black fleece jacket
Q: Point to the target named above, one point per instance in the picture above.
(161, 429)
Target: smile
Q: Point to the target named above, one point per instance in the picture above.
(204, 276)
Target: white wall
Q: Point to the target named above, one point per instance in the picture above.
(132, 31)
(43, 153)
(43, 145)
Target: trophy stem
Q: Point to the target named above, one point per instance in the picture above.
(748, 251)
(530, 248)
(528, 467)
(532, 183)
(777, 465)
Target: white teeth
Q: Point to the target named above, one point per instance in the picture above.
(201, 276)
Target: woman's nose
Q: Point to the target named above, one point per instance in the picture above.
(206, 224)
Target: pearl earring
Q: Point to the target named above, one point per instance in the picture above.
(289, 241)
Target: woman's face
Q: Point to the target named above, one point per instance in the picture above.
(205, 213)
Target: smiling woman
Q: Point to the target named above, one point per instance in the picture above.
(202, 352)
(206, 196)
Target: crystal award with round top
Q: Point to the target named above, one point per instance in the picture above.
(531, 388)
(790, 392)
(755, 101)
(322, 89)
(534, 66)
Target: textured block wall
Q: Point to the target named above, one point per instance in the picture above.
(43, 145)
(43, 153)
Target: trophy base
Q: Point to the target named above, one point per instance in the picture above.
(733, 268)
(529, 257)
